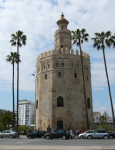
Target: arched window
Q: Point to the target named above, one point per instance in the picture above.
(77, 65)
(60, 102)
(56, 64)
(59, 75)
(44, 66)
(48, 65)
(62, 64)
(88, 103)
(87, 78)
(45, 76)
(37, 104)
(75, 75)
(71, 64)
(59, 124)
(62, 27)
(61, 46)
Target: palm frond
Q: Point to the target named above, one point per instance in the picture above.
(78, 44)
(108, 34)
(13, 44)
(83, 31)
(108, 43)
(81, 41)
(102, 46)
(97, 34)
(98, 47)
(74, 42)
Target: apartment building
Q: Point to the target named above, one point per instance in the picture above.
(26, 112)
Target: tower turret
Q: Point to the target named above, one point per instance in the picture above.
(62, 35)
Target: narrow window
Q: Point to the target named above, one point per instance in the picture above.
(62, 64)
(87, 78)
(88, 103)
(48, 65)
(61, 46)
(62, 27)
(59, 75)
(75, 75)
(60, 102)
(44, 66)
(45, 76)
(77, 65)
(71, 64)
(56, 64)
(37, 104)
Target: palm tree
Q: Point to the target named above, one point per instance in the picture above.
(18, 39)
(78, 37)
(100, 41)
(13, 58)
(6, 118)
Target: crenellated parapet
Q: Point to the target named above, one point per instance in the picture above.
(62, 52)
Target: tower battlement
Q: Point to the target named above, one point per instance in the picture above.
(63, 52)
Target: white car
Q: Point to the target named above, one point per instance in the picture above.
(84, 135)
(8, 133)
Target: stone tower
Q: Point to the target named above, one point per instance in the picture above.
(59, 85)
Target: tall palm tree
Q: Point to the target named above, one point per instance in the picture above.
(78, 37)
(18, 39)
(13, 58)
(100, 41)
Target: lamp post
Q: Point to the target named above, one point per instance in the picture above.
(35, 103)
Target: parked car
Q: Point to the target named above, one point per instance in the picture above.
(64, 134)
(112, 135)
(8, 133)
(36, 134)
(84, 135)
(90, 134)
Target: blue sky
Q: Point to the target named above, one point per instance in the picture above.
(37, 19)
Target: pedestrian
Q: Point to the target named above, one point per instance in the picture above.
(38, 129)
(70, 130)
(52, 129)
(24, 132)
(19, 133)
(79, 131)
(84, 129)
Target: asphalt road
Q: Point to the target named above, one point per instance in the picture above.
(6, 143)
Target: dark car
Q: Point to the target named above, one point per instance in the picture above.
(112, 135)
(64, 134)
(36, 134)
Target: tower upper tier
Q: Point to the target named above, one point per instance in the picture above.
(62, 35)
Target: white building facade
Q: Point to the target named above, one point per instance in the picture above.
(26, 112)
(96, 116)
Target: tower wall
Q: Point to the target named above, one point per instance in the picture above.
(68, 87)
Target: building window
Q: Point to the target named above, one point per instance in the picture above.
(48, 65)
(62, 27)
(56, 64)
(75, 75)
(61, 46)
(60, 102)
(71, 64)
(44, 66)
(62, 64)
(77, 65)
(37, 104)
(45, 76)
(87, 78)
(59, 75)
(88, 103)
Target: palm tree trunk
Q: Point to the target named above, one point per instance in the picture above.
(13, 95)
(17, 83)
(109, 89)
(87, 120)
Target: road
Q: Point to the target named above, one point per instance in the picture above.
(81, 144)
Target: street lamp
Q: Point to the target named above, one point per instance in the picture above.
(35, 103)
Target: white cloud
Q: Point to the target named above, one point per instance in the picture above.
(102, 109)
(38, 21)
